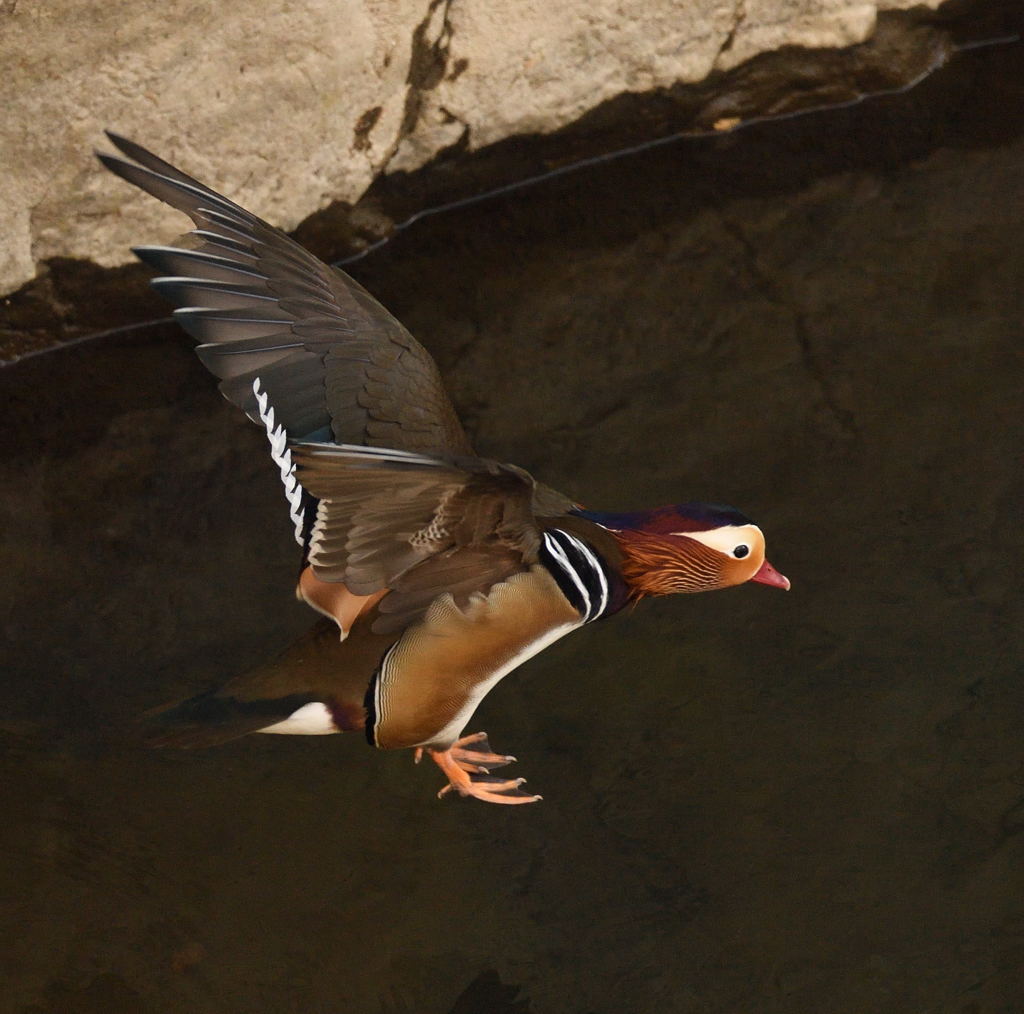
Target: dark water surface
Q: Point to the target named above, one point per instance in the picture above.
(754, 802)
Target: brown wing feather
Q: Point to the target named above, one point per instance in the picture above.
(461, 574)
(417, 525)
(329, 356)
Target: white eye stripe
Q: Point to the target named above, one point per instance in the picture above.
(728, 538)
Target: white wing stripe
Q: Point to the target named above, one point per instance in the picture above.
(282, 456)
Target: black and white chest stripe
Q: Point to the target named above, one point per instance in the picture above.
(580, 572)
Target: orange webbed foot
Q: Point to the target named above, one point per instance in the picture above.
(467, 763)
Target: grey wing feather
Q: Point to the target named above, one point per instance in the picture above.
(262, 306)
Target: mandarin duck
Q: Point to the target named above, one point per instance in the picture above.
(437, 572)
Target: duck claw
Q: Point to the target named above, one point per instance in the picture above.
(468, 763)
(474, 754)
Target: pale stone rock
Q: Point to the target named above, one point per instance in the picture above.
(293, 104)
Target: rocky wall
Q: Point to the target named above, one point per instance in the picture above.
(291, 106)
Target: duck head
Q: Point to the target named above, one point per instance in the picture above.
(688, 547)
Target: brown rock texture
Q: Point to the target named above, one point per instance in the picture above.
(290, 106)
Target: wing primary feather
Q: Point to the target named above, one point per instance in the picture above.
(179, 262)
(245, 346)
(236, 246)
(237, 278)
(147, 159)
(190, 291)
(219, 326)
(178, 190)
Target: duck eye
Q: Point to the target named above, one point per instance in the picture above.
(741, 551)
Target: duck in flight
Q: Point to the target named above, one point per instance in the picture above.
(441, 571)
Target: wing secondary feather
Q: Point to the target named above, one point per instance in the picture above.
(416, 524)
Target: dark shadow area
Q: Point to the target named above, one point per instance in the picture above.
(755, 803)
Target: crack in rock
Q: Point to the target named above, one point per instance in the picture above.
(778, 293)
(428, 65)
(738, 18)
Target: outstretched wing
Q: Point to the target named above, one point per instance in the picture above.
(418, 525)
(332, 361)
